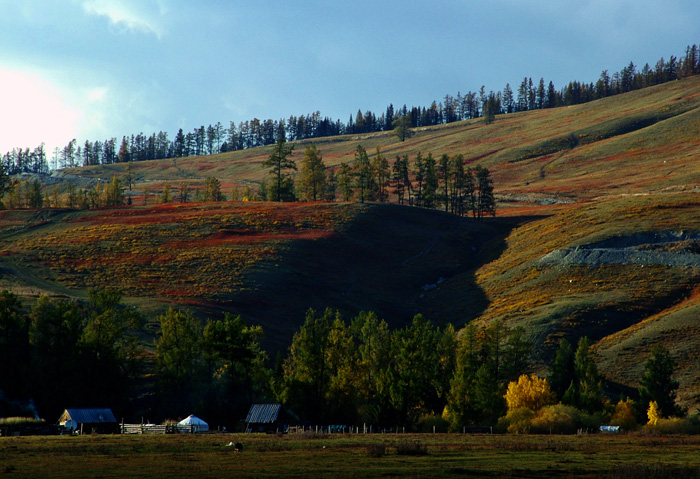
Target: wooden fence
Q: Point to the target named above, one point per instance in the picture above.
(156, 429)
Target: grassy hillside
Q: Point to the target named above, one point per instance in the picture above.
(266, 261)
(596, 235)
(639, 142)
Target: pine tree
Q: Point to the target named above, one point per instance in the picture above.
(279, 163)
(312, 177)
(657, 384)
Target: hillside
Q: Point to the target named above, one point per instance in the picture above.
(597, 234)
(640, 142)
(266, 261)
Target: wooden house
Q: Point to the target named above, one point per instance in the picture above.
(268, 418)
(89, 421)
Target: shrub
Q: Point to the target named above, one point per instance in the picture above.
(673, 425)
(411, 448)
(517, 421)
(376, 450)
(625, 415)
(560, 419)
(427, 423)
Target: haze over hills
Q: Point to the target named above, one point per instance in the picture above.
(597, 234)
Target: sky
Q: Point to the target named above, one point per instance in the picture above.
(97, 69)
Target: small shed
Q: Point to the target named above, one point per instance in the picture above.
(194, 423)
(88, 421)
(268, 418)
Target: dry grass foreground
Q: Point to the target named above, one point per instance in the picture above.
(340, 456)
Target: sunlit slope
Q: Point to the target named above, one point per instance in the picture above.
(623, 271)
(637, 142)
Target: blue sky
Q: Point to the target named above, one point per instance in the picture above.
(95, 69)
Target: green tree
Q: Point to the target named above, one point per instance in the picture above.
(419, 176)
(364, 176)
(373, 343)
(444, 176)
(312, 176)
(589, 383)
(331, 186)
(178, 347)
(485, 201)
(35, 198)
(400, 180)
(657, 383)
(233, 350)
(212, 190)
(14, 347)
(345, 182)
(430, 188)
(381, 173)
(402, 127)
(109, 346)
(306, 369)
(562, 374)
(54, 334)
(279, 163)
(412, 386)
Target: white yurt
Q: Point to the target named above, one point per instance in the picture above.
(193, 422)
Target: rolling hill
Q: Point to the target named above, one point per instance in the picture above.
(597, 233)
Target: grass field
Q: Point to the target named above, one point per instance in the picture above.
(351, 456)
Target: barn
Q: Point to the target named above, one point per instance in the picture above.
(268, 418)
(89, 421)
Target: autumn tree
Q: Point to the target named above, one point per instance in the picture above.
(312, 176)
(529, 392)
(279, 164)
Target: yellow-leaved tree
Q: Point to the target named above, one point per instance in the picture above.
(653, 413)
(529, 392)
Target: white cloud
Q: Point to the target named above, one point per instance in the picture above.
(97, 94)
(134, 16)
(33, 111)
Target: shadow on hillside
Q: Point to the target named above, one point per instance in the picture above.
(396, 261)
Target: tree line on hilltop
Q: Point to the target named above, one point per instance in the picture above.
(64, 353)
(431, 182)
(217, 138)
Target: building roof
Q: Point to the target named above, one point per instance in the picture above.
(88, 416)
(263, 413)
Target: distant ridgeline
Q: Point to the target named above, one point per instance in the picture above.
(218, 139)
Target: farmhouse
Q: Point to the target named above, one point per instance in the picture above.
(268, 418)
(89, 421)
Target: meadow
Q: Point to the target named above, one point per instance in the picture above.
(374, 455)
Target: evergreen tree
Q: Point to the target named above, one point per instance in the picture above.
(279, 163)
(657, 383)
(562, 373)
(312, 177)
(485, 201)
(364, 176)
